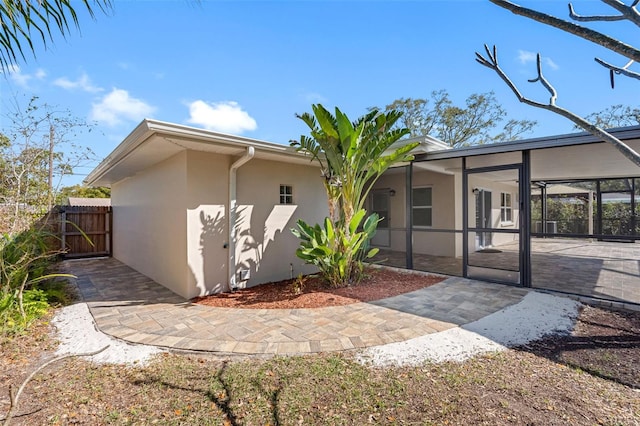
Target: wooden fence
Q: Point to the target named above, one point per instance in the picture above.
(85, 231)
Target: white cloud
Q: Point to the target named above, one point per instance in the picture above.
(118, 106)
(15, 73)
(83, 83)
(227, 117)
(525, 57)
(551, 64)
(40, 74)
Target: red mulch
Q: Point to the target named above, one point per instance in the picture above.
(378, 284)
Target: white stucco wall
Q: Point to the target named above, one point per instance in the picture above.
(444, 215)
(266, 246)
(207, 222)
(149, 222)
(264, 243)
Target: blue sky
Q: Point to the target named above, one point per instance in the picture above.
(247, 67)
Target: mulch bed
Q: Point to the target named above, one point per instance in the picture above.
(379, 283)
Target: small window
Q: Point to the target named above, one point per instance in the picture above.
(506, 210)
(422, 207)
(286, 194)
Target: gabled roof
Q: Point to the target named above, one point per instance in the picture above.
(154, 141)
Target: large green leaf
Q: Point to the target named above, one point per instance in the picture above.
(370, 224)
(355, 154)
(355, 221)
(372, 253)
(326, 121)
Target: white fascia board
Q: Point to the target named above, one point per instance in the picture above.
(427, 144)
(209, 136)
(148, 128)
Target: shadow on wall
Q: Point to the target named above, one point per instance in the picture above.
(253, 247)
(212, 237)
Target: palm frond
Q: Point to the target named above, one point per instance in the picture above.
(22, 20)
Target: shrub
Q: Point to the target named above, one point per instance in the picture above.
(337, 250)
(25, 260)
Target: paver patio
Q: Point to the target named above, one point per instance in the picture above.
(130, 306)
(602, 270)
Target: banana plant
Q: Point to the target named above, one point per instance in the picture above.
(352, 157)
(337, 250)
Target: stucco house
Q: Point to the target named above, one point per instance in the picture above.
(187, 203)
(202, 212)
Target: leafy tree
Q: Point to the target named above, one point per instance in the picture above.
(82, 191)
(615, 116)
(32, 163)
(458, 126)
(623, 12)
(571, 217)
(23, 20)
(352, 156)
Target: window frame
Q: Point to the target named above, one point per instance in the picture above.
(421, 207)
(285, 198)
(506, 209)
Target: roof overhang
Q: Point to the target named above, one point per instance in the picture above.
(576, 156)
(570, 139)
(154, 141)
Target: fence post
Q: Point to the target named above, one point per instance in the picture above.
(63, 229)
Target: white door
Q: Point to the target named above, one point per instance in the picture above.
(379, 203)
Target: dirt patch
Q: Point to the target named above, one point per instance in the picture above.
(604, 342)
(316, 293)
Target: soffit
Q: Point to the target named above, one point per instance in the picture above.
(599, 160)
(586, 161)
(147, 146)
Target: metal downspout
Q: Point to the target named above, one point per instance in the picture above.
(232, 215)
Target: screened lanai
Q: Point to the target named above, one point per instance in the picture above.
(559, 213)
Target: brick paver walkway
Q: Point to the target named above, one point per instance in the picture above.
(132, 307)
(598, 269)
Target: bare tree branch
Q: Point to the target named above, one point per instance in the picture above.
(619, 70)
(542, 79)
(629, 12)
(578, 30)
(491, 62)
(592, 18)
